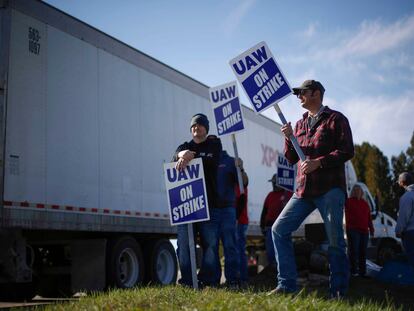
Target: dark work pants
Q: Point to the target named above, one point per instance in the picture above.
(357, 251)
(408, 243)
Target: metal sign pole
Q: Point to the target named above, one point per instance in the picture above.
(292, 137)
(236, 155)
(192, 255)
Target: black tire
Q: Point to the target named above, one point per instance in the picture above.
(125, 263)
(161, 261)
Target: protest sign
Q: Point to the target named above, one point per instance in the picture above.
(261, 77)
(187, 195)
(226, 108)
(285, 174)
(263, 82)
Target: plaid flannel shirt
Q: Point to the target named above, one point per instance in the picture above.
(330, 141)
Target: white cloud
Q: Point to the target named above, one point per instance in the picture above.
(372, 38)
(379, 78)
(383, 121)
(399, 60)
(310, 31)
(236, 16)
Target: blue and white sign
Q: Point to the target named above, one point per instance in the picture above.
(261, 77)
(226, 108)
(285, 174)
(187, 195)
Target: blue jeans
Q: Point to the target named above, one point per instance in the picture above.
(241, 247)
(270, 248)
(331, 208)
(183, 254)
(209, 234)
(226, 221)
(408, 243)
(357, 251)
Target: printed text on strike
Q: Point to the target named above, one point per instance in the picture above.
(267, 90)
(230, 121)
(188, 207)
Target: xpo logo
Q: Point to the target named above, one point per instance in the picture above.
(270, 156)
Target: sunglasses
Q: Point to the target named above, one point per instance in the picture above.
(302, 92)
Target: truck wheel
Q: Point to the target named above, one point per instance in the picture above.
(386, 252)
(162, 263)
(125, 263)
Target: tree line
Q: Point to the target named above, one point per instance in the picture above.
(374, 169)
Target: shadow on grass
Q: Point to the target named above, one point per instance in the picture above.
(360, 289)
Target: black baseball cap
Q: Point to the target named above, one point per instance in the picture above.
(309, 85)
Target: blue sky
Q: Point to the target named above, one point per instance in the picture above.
(361, 51)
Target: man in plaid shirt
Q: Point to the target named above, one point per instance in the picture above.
(325, 138)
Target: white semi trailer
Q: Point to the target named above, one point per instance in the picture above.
(86, 123)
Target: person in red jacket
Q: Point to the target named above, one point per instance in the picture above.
(358, 224)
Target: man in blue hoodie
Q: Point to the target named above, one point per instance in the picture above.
(224, 215)
(405, 222)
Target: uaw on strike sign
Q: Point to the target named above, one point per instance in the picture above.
(187, 195)
(261, 77)
(226, 108)
(285, 174)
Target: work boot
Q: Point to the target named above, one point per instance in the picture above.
(280, 291)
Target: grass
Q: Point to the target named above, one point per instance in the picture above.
(364, 294)
(180, 298)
